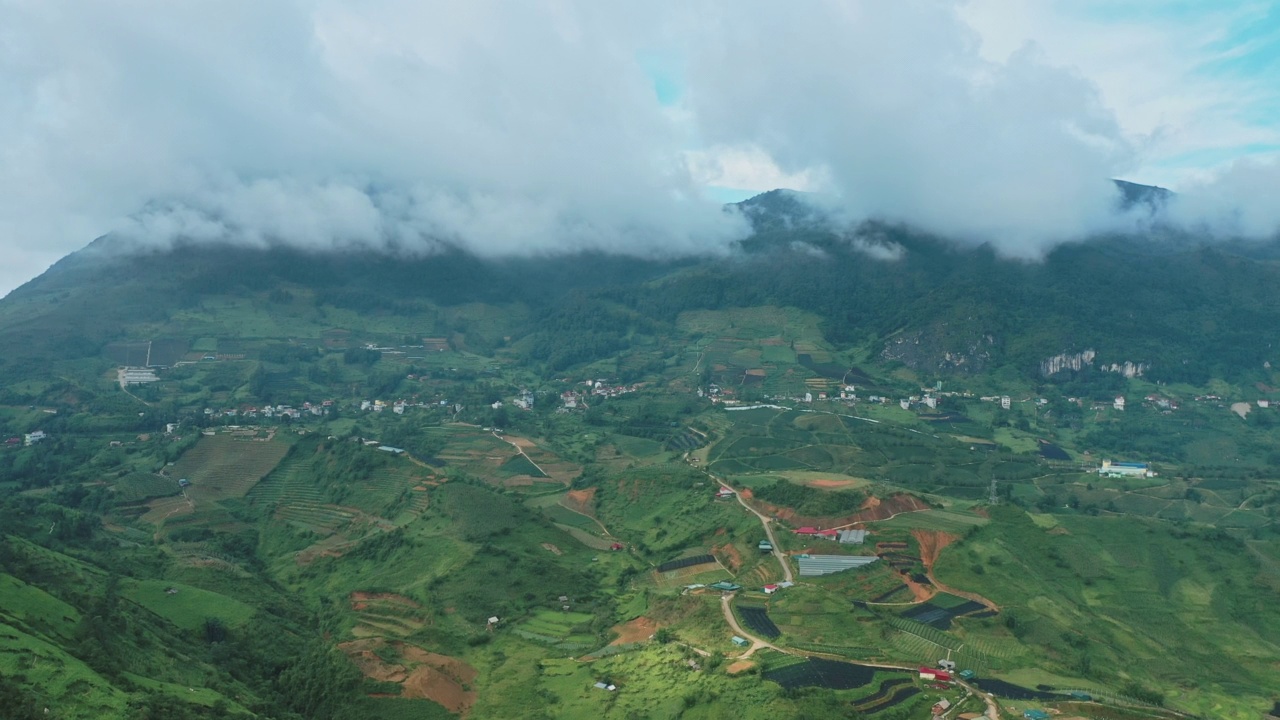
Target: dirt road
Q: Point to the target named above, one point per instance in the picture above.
(765, 520)
(756, 643)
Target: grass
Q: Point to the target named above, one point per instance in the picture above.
(58, 678)
(189, 607)
(943, 520)
(35, 609)
(1160, 592)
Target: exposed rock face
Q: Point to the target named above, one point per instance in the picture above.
(942, 348)
(1058, 363)
(1078, 361)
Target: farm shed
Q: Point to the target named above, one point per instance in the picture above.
(740, 642)
(765, 546)
(1035, 715)
(818, 565)
(725, 586)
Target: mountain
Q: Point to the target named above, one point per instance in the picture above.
(350, 484)
(1184, 310)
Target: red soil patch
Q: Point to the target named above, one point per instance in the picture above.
(421, 674)
(746, 494)
(739, 666)
(634, 631)
(580, 500)
(931, 544)
(522, 443)
(731, 552)
(830, 484)
(873, 508)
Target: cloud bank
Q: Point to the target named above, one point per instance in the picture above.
(511, 127)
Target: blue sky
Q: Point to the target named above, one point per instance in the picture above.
(1194, 81)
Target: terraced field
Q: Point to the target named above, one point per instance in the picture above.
(222, 466)
(564, 630)
(386, 615)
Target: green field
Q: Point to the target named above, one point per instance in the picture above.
(189, 607)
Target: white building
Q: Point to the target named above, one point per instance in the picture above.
(1124, 469)
(1005, 402)
(1119, 403)
(33, 438)
(127, 376)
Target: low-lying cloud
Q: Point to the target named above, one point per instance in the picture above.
(524, 128)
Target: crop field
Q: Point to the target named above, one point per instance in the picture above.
(225, 467)
(685, 562)
(917, 642)
(143, 486)
(891, 692)
(820, 672)
(940, 615)
(636, 447)
(317, 517)
(757, 619)
(189, 607)
(565, 630)
(519, 465)
(162, 509)
(782, 442)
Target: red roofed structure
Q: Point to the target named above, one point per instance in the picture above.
(806, 530)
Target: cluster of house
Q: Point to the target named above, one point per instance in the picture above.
(274, 411)
(26, 440)
(573, 398)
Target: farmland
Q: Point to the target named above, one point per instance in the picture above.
(225, 466)
(819, 672)
(757, 620)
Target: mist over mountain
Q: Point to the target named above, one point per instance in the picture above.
(1185, 308)
(594, 130)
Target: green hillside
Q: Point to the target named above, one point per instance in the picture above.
(348, 465)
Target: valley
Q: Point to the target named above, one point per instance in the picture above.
(338, 498)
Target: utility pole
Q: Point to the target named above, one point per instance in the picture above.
(995, 499)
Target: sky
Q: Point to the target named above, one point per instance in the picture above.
(527, 128)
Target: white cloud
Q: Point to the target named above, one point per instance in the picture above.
(527, 128)
(748, 167)
(1157, 67)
